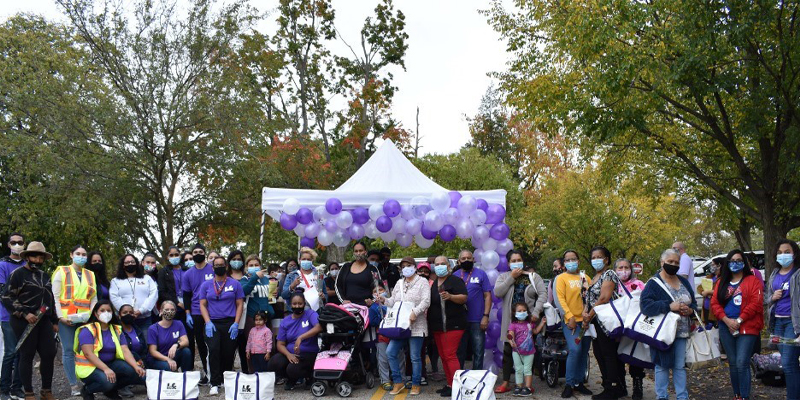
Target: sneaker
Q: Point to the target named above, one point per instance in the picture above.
(289, 385)
(525, 392)
(397, 389)
(17, 394)
(583, 390)
(387, 386)
(213, 391)
(606, 394)
(86, 395)
(448, 392)
(203, 381)
(442, 390)
(423, 381)
(280, 381)
(414, 390)
(516, 391)
(125, 392)
(567, 393)
(75, 390)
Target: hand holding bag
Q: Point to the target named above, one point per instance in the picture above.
(612, 314)
(657, 331)
(165, 385)
(702, 349)
(258, 386)
(473, 385)
(396, 324)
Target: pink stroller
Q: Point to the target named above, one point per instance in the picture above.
(340, 363)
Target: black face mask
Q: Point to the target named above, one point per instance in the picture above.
(131, 268)
(671, 269)
(128, 319)
(298, 310)
(467, 265)
(97, 267)
(198, 259)
(34, 265)
(220, 271)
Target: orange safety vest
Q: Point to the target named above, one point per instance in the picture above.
(76, 295)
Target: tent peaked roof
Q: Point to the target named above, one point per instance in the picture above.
(388, 171)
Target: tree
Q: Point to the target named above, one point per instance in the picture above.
(708, 90)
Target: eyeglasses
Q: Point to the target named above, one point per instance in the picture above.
(129, 263)
(16, 243)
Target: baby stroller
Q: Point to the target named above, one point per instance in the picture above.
(340, 363)
(553, 350)
(767, 367)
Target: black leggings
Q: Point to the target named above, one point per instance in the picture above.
(196, 336)
(605, 352)
(221, 350)
(282, 368)
(41, 340)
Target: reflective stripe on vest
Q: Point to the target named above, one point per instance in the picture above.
(84, 367)
(76, 300)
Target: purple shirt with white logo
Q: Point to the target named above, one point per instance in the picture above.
(177, 275)
(783, 307)
(164, 338)
(109, 350)
(7, 266)
(292, 328)
(222, 304)
(477, 283)
(191, 281)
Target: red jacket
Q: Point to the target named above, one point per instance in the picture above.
(752, 310)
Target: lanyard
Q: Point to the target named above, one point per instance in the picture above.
(219, 288)
(468, 276)
(302, 275)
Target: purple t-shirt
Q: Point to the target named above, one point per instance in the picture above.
(523, 337)
(222, 305)
(177, 275)
(7, 266)
(134, 344)
(477, 283)
(164, 338)
(292, 328)
(783, 307)
(109, 350)
(191, 281)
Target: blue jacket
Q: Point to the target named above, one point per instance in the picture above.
(286, 293)
(376, 313)
(655, 301)
(256, 291)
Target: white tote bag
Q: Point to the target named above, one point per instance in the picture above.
(396, 324)
(612, 314)
(473, 384)
(165, 385)
(258, 386)
(702, 348)
(553, 317)
(634, 353)
(657, 331)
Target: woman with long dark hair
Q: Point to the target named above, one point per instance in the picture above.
(738, 303)
(783, 295)
(97, 264)
(132, 286)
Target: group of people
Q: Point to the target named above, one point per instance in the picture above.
(148, 317)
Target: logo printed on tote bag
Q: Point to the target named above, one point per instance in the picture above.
(171, 390)
(246, 389)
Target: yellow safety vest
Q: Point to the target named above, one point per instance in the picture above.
(76, 294)
(83, 367)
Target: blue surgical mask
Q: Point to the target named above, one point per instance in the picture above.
(306, 264)
(189, 264)
(174, 261)
(441, 270)
(521, 315)
(373, 263)
(253, 270)
(785, 260)
(571, 266)
(736, 266)
(409, 271)
(79, 260)
(237, 264)
(516, 265)
(598, 264)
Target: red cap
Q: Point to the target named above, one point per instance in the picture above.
(424, 264)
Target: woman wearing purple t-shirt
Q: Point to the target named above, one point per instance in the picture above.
(167, 342)
(297, 344)
(784, 312)
(221, 304)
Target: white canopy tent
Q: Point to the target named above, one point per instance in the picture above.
(388, 174)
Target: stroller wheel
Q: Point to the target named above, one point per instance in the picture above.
(344, 389)
(318, 389)
(586, 375)
(370, 381)
(552, 373)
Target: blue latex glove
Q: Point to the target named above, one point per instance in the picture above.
(189, 321)
(210, 329)
(234, 330)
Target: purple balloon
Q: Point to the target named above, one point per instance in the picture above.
(500, 314)
(312, 230)
(495, 214)
(307, 242)
(496, 299)
(333, 206)
(355, 231)
(427, 233)
(391, 208)
(499, 231)
(384, 224)
(448, 233)
(498, 358)
(330, 226)
(493, 331)
(483, 204)
(304, 215)
(360, 215)
(454, 198)
(480, 234)
(288, 222)
(502, 266)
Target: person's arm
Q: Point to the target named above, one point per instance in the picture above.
(540, 326)
(131, 360)
(541, 289)
(487, 308)
(459, 295)
(187, 302)
(510, 336)
(650, 304)
(114, 294)
(268, 338)
(561, 293)
(313, 332)
(204, 310)
(286, 292)
(11, 295)
(283, 350)
(239, 308)
(753, 304)
(57, 282)
(152, 296)
(424, 292)
(503, 284)
(183, 342)
(250, 284)
(164, 285)
(153, 350)
(88, 352)
(606, 292)
(685, 269)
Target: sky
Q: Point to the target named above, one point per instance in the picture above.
(451, 49)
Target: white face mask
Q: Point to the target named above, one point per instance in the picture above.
(104, 317)
(17, 248)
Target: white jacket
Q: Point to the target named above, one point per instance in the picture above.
(419, 293)
(141, 293)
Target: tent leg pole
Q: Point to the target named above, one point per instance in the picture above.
(261, 235)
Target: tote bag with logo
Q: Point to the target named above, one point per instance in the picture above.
(396, 324)
(612, 314)
(165, 385)
(634, 353)
(258, 386)
(657, 331)
(702, 348)
(473, 385)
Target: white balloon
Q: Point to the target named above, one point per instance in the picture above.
(404, 239)
(451, 216)
(489, 244)
(490, 260)
(464, 228)
(492, 274)
(422, 242)
(434, 220)
(420, 207)
(325, 237)
(291, 206)
(370, 230)
(477, 255)
(341, 238)
(387, 237)
(312, 230)
(321, 215)
(375, 211)
(344, 220)
(300, 230)
(467, 205)
(413, 227)
(398, 225)
(504, 246)
(478, 217)
(440, 201)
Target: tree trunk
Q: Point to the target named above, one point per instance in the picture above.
(742, 234)
(336, 254)
(772, 233)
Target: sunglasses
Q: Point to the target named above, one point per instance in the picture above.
(16, 243)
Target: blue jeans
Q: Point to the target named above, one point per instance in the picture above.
(678, 373)
(10, 361)
(789, 357)
(739, 350)
(183, 358)
(474, 341)
(577, 356)
(67, 336)
(395, 345)
(97, 382)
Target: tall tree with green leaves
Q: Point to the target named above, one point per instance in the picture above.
(708, 90)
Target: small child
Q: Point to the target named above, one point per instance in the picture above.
(259, 343)
(520, 334)
(382, 344)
